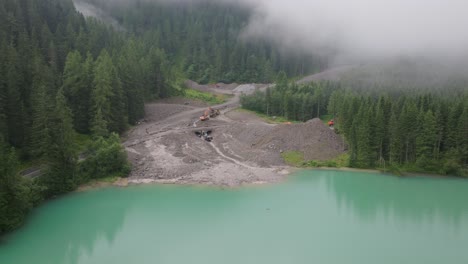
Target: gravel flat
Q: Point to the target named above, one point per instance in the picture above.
(245, 149)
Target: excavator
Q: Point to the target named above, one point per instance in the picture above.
(209, 113)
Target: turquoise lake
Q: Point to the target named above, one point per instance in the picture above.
(313, 217)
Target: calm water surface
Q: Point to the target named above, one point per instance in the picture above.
(315, 217)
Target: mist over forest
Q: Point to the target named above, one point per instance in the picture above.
(424, 37)
(351, 29)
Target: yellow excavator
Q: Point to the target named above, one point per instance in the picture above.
(209, 113)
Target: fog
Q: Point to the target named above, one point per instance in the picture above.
(364, 29)
(89, 10)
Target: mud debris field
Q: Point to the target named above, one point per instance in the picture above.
(245, 149)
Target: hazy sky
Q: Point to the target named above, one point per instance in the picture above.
(361, 28)
(366, 27)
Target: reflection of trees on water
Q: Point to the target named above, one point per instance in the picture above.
(99, 217)
(411, 199)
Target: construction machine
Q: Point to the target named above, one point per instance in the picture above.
(209, 113)
(206, 135)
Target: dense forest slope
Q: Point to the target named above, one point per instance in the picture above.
(398, 116)
(205, 39)
(65, 80)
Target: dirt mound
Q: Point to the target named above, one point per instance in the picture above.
(312, 138)
(229, 87)
(223, 87)
(245, 88)
(251, 134)
(210, 87)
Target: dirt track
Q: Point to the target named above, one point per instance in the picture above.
(245, 149)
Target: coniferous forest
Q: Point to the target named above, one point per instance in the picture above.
(70, 86)
(62, 79)
(386, 125)
(205, 40)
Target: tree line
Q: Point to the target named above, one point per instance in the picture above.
(290, 100)
(410, 130)
(416, 133)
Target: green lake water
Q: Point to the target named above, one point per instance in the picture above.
(314, 217)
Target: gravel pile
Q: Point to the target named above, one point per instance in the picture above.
(312, 138)
(245, 88)
(229, 87)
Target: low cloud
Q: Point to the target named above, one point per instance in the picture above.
(358, 29)
(365, 28)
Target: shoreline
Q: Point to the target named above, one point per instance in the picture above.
(284, 171)
(348, 169)
(403, 175)
(287, 171)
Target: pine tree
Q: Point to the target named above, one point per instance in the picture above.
(3, 90)
(427, 135)
(380, 128)
(426, 140)
(268, 101)
(409, 123)
(99, 124)
(455, 112)
(364, 137)
(40, 137)
(318, 95)
(333, 103)
(440, 116)
(102, 94)
(130, 73)
(118, 120)
(62, 154)
(77, 90)
(14, 105)
(462, 134)
(395, 140)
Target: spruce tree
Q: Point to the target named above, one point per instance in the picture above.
(77, 90)
(40, 135)
(395, 139)
(108, 96)
(363, 136)
(99, 125)
(62, 156)
(462, 134)
(3, 91)
(379, 138)
(427, 136)
(14, 102)
(102, 94)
